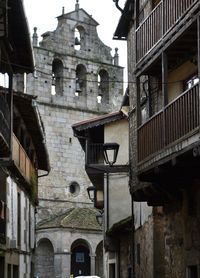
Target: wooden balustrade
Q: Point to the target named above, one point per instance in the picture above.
(95, 154)
(150, 136)
(21, 160)
(177, 120)
(182, 115)
(149, 32)
(162, 18)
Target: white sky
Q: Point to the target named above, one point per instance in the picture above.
(42, 14)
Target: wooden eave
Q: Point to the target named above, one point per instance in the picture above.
(81, 128)
(123, 26)
(21, 54)
(97, 121)
(123, 226)
(27, 109)
(163, 181)
(102, 168)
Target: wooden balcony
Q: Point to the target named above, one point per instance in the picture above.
(163, 18)
(95, 161)
(22, 161)
(171, 131)
(4, 127)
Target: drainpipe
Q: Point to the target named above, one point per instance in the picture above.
(132, 238)
(107, 200)
(117, 5)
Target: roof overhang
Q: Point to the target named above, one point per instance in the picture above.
(98, 121)
(27, 107)
(80, 129)
(21, 56)
(122, 29)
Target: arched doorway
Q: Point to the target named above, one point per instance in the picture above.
(80, 259)
(99, 260)
(44, 259)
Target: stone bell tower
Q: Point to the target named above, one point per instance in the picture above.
(76, 78)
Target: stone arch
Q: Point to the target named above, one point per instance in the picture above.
(103, 87)
(80, 258)
(57, 77)
(79, 37)
(81, 75)
(44, 259)
(99, 259)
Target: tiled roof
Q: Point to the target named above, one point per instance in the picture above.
(74, 218)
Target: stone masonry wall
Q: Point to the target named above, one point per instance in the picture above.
(60, 111)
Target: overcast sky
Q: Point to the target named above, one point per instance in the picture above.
(42, 14)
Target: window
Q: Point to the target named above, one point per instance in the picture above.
(74, 188)
(79, 35)
(4, 80)
(112, 270)
(103, 87)
(192, 271)
(80, 80)
(138, 253)
(77, 39)
(57, 77)
(80, 257)
(191, 82)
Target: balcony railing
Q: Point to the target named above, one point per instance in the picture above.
(159, 22)
(177, 120)
(4, 120)
(94, 154)
(21, 160)
(2, 231)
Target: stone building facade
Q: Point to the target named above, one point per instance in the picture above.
(163, 71)
(75, 78)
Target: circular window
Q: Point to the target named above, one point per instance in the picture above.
(74, 188)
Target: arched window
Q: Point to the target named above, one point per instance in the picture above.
(80, 80)
(79, 35)
(103, 87)
(57, 77)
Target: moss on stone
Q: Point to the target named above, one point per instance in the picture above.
(75, 218)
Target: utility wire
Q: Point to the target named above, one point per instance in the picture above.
(93, 81)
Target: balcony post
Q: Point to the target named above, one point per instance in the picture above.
(198, 56)
(138, 101)
(87, 150)
(164, 90)
(137, 9)
(10, 101)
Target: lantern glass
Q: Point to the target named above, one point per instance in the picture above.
(110, 151)
(99, 217)
(91, 193)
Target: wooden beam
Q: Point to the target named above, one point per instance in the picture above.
(100, 168)
(138, 110)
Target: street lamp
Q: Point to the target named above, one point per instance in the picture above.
(110, 152)
(91, 193)
(99, 217)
